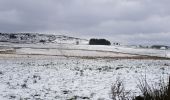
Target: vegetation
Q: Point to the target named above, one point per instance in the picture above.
(118, 91)
(152, 93)
(148, 92)
(42, 41)
(12, 36)
(159, 46)
(99, 42)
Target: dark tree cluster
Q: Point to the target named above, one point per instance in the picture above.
(12, 36)
(159, 46)
(42, 41)
(99, 42)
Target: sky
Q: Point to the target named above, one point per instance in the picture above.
(124, 21)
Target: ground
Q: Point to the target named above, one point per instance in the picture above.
(62, 70)
(40, 77)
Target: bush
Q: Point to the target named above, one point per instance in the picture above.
(12, 36)
(151, 93)
(42, 41)
(118, 91)
(99, 42)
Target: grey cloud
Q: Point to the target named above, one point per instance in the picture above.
(113, 19)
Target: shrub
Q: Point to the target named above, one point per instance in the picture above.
(149, 92)
(12, 36)
(118, 91)
(99, 42)
(42, 41)
(152, 93)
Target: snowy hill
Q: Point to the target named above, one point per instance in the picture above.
(60, 39)
(57, 67)
(59, 45)
(39, 38)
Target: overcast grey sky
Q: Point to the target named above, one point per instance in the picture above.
(126, 21)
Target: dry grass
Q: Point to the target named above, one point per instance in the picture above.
(149, 92)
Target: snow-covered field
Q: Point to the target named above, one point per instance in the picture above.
(30, 43)
(84, 50)
(38, 77)
(58, 69)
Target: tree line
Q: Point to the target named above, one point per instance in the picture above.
(99, 42)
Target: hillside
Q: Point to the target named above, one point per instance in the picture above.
(55, 67)
(29, 38)
(59, 45)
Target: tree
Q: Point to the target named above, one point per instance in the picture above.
(99, 42)
(12, 36)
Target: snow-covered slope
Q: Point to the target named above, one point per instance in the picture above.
(60, 39)
(41, 67)
(24, 77)
(39, 38)
(26, 43)
(84, 50)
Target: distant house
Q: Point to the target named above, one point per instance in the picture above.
(162, 47)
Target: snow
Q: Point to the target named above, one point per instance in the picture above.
(68, 52)
(60, 69)
(64, 48)
(83, 50)
(60, 43)
(51, 77)
(31, 38)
